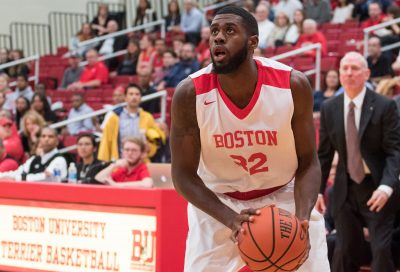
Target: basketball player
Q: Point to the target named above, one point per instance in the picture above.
(242, 131)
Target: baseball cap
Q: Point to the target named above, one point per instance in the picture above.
(5, 121)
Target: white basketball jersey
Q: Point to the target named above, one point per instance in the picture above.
(251, 148)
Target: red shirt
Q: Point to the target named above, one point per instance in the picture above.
(371, 22)
(138, 173)
(13, 146)
(7, 164)
(317, 37)
(98, 71)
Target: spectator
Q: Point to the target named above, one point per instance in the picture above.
(23, 89)
(342, 12)
(130, 61)
(19, 69)
(129, 121)
(145, 14)
(265, 26)
(249, 5)
(375, 15)
(278, 33)
(2, 101)
(118, 95)
(332, 84)
(203, 48)
(84, 34)
(31, 125)
(7, 163)
(159, 46)
(99, 23)
(79, 108)
(40, 88)
(11, 140)
(170, 70)
(22, 106)
(144, 81)
(40, 104)
(191, 22)
(147, 53)
(318, 10)
(86, 149)
(360, 12)
(4, 81)
(177, 44)
(73, 72)
(111, 45)
(189, 63)
(288, 7)
(173, 18)
(41, 167)
(392, 31)
(296, 28)
(93, 75)
(310, 36)
(130, 171)
(378, 63)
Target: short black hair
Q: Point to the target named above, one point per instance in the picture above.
(87, 135)
(133, 85)
(25, 76)
(249, 21)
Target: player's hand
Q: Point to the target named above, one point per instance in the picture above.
(246, 215)
(304, 227)
(320, 204)
(377, 200)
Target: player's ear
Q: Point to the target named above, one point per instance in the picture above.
(253, 42)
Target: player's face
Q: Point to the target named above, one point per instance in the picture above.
(228, 43)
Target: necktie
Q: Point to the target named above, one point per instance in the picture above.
(354, 160)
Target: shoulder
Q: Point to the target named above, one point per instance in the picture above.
(185, 91)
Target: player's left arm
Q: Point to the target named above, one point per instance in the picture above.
(308, 174)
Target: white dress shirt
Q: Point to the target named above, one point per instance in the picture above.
(59, 163)
(358, 102)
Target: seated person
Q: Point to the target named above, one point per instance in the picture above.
(93, 75)
(41, 105)
(86, 148)
(79, 108)
(41, 167)
(310, 36)
(11, 140)
(7, 163)
(130, 171)
(73, 72)
(130, 120)
(31, 126)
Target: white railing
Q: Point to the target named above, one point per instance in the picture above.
(376, 27)
(35, 58)
(161, 94)
(126, 31)
(316, 70)
(106, 57)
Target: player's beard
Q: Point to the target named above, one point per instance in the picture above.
(235, 61)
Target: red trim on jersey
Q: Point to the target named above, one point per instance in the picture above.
(275, 77)
(205, 83)
(253, 194)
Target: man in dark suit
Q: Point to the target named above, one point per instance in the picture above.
(364, 128)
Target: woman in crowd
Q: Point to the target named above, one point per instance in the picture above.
(173, 19)
(22, 106)
(332, 84)
(4, 81)
(342, 12)
(99, 23)
(40, 104)
(130, 61)
(145, 14)
(278, 33)
(296, 28)
(147, 53)
(86, 148)
(31, 125)
(16, 70)
(84, 34)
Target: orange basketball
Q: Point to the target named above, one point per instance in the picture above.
(275, 241)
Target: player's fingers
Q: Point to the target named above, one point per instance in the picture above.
(305, 225)
(251, 211)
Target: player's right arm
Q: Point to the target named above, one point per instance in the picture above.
(185, 151)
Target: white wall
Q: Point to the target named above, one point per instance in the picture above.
(37, 11)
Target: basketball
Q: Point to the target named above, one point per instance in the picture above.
(275, 241)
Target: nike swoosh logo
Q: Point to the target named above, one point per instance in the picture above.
(206, 103)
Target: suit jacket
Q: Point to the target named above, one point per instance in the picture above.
(379, 132)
